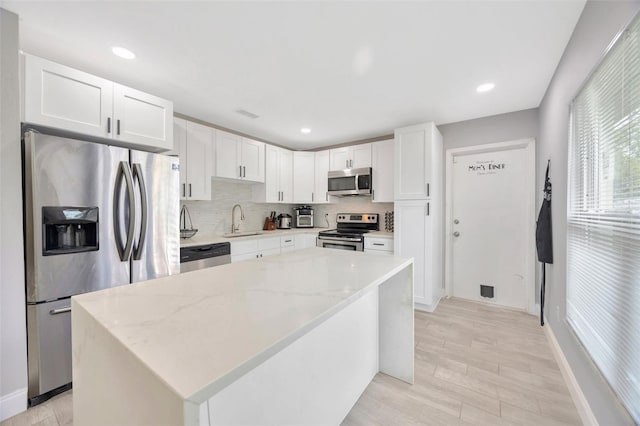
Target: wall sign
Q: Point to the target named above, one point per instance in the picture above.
(486, 167)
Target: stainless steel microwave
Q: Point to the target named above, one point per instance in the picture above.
(350, 181)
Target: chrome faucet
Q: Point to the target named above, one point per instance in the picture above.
(235, 228)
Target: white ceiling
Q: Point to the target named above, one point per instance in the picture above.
(347, 70)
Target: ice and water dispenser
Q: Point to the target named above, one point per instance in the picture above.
(69, 230)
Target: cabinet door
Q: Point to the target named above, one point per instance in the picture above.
(285, 176)
(411, 147)
(339, 158)
(320, 194)
(252, 160)
(180, 146)
(64, 98)
(411, 229)
(360, 156)
(141, 119)
(382, 163)
(199, 145)
(227, 163)
(303, 177)
(271, 185)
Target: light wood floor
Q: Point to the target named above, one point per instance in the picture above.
(475, 364)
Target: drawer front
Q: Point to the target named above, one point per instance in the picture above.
(384, 244)
(288, 241)
(244, 247)
(269, 243)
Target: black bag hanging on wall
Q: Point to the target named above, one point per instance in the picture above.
(544, 242)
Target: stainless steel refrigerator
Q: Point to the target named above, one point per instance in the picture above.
(96, 216)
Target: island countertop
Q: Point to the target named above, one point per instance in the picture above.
(202, 330)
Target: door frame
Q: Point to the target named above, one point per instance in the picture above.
(530, 153)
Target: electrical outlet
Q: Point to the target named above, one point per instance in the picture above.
(557, 313)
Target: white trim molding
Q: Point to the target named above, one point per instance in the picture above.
(582, 405)
(13, 403)
(527, 144)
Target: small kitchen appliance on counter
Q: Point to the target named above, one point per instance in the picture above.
(349, 235)
(284, 221)
(304, 217)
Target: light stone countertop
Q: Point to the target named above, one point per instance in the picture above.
(199, 240)
(200, 331)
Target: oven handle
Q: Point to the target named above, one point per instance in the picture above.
(357, 240)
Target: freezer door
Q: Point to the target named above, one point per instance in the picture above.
(73, 182)
(49, 346)
(156, 248)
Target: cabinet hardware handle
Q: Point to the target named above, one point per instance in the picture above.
(244, 171)
(60, 311)
(350, 163)
(287, 241)
(326, 196)
(378, 244)
(428, 189)
(427, 209)
(347, 164)
(184, 189)
(312, 197)
(373, 194)
(118, 127)
(108, 124)
(189, 190)
(260, 254)
(240, 167)
(257, 256)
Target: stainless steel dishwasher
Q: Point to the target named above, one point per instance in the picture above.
(204, 256)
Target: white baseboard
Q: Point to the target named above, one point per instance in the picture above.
(13, 403)
(582, 405)
(426, 308)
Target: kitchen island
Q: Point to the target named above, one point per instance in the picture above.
(289, 339)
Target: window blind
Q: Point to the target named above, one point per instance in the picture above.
(603, 242)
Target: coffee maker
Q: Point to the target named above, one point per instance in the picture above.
(304, 217)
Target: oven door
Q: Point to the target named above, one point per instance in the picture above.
(340, 243)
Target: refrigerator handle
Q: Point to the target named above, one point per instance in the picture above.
(123, 171)
(137, 173)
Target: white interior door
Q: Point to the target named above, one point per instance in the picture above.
(490, 214)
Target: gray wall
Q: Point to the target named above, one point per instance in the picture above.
(598, 25)
(13, 345)
(497, 128)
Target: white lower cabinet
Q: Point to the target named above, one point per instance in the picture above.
(378, 245)
(263, 247)
(418, 234)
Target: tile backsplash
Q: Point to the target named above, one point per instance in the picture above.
(213, 217)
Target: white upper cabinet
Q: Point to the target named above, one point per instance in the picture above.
(382, 163)
(239, 158)
(195, 144)
(350, 157)
(252, 160)
(285, 178)
(64, 98)
(304, 177)
(320, 194)
(278, 184)
(416, 152)
(141, 118)
(227, 164)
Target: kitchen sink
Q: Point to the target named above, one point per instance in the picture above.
(242, 234)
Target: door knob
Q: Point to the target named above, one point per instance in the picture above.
(456, 234)
(456, 221)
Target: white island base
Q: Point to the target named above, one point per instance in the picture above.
(290, 339)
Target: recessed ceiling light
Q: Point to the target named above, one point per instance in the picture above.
(485, 87)
(305, 130)
(123, 53)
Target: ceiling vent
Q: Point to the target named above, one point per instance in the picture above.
(247, 114)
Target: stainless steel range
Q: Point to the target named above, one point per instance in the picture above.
(349, 234)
